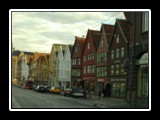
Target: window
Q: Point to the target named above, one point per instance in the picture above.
(117, 53)
(88, 45)
(73, 61)
(112, 54)
(145, 23)
(89, 69)
(79, 61)
(101, 57)
(84, 69)
(117, 39)
(122, 52)
(101, 71)
(102, 43)
(75, 72)
(76, 48)
(117, 69)
(91, 56)
(98, 57)
(112, 69)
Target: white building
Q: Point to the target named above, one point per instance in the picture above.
(64, 66)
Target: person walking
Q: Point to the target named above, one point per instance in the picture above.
(99, 94)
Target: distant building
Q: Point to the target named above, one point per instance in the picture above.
(76, 74)
(53, 64)
(64, 66)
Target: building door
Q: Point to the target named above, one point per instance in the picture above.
(108, 90)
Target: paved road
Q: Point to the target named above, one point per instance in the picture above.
(22, 98)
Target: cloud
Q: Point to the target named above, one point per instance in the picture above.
(37, 31)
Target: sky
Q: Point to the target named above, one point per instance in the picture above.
(36, 31)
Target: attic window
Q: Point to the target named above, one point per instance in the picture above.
(88, 45)
(117, 39)
(102, 43)
(76, 49)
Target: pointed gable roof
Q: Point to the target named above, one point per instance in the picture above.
(124, 30)
(94, 36)
(80, 41)
(108, 32)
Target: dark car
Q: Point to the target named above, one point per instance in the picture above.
(67, 92)
(78, 92)
(47, 88)
(39, 88)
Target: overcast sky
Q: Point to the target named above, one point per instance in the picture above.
(37, 31)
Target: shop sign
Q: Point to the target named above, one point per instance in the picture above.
(100, 80)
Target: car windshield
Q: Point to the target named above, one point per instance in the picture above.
(57, 88)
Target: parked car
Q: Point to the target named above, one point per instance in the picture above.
(67, 92)
(39, 88)
(55, 90)
(47, 88)
(78, 92)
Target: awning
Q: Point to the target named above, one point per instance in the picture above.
(143, 60)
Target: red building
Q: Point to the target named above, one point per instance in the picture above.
(88, 62)
(118, 58)
(76, 62)
(101, 59)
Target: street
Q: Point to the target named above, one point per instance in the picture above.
(22, 98)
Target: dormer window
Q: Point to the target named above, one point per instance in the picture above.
(102, 43)
(117, 39)
(76, 48)
(88, 45)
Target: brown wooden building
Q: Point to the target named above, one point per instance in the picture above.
(117, 57)
(76, 62)
(138, 74)
(89, 59)
(101, 57)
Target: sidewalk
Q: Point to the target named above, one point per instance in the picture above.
(110, 102)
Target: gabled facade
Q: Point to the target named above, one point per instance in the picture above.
(117, 56)
(15, 55)
(101, 58)
(64, 66)
(53, 64)
(43, 69)
(35, 67)
(22, 66)
(138, 73)
(88, 61)
(76, 62)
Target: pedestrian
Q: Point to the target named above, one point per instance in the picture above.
(99, 94)
(85, 94)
